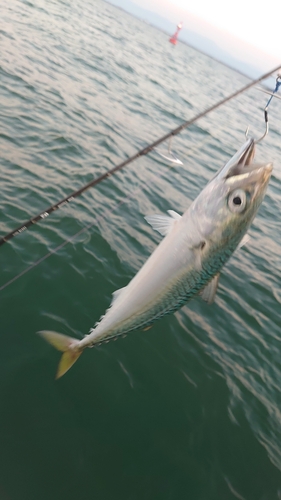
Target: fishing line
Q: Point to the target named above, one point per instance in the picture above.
(64, 243)
(89, 226)
(71, 238)
(278, 84)
(142, 152)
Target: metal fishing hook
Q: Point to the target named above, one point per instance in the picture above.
(272, 94)
(266, 129)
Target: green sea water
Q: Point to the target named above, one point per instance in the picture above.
(191, 408)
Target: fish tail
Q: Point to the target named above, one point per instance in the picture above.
(68, 345)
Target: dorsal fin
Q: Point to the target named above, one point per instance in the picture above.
(163, 223)
(117, 294)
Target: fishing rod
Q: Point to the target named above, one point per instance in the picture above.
(43, 215)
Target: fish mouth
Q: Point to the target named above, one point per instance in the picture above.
(243, 157)
(245, 154)
(254, 173)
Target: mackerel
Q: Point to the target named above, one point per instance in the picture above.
(188, 260)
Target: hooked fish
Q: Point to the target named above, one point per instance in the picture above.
(188, 260)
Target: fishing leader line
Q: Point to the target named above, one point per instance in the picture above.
(141, 152)
(272, 94)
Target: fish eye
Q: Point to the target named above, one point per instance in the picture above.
(237, 201)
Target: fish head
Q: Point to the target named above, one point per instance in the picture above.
(224, 210)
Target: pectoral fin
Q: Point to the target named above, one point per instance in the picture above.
(244, 241)
(163, 223)
(209, 292)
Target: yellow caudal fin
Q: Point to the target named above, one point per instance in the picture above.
(68, 345)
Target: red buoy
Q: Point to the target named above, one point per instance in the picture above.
(174, 38)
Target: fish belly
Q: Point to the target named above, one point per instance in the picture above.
(168, 279)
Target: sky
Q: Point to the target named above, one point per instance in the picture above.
(252, 21)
